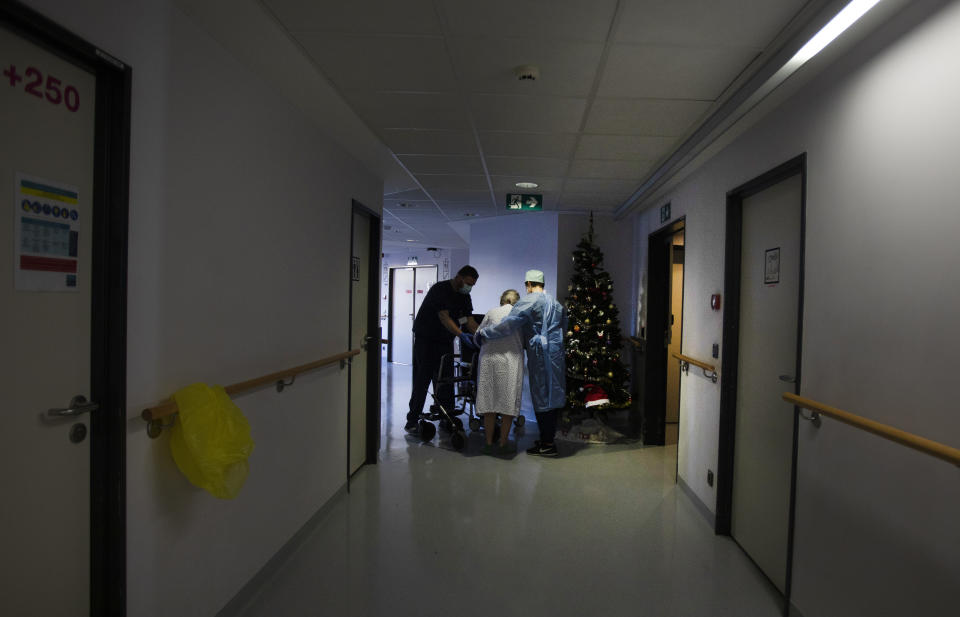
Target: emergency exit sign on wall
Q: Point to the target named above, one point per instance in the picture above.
(524, 201)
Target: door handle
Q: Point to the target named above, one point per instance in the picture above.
(78, 405)
(366, 341)
(788, 378)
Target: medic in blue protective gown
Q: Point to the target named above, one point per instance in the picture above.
(543, 321)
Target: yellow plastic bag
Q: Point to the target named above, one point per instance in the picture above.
(210, 441)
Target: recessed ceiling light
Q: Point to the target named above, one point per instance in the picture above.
(409, 240)
(527, 185)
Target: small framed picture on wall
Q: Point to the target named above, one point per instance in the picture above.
(771, 266)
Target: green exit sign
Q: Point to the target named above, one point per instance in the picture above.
(524, 201)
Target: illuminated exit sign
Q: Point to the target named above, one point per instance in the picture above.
(524, 201)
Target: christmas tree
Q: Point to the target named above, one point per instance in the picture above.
(596, 378)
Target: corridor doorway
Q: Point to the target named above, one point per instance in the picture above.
(762, 351)
(408, 287)
(363, 425)
(664, 329)
(65, 119)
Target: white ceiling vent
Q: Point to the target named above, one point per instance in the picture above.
(527, 72)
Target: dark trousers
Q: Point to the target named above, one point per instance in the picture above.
(547, 421)
(428, 355)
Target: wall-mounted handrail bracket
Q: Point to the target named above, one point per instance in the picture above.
(686, 361)
(281, 384)
(153, 415)
(813, 418)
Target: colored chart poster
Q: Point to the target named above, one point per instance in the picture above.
(47, 230)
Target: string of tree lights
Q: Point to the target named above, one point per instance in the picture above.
(596, 376)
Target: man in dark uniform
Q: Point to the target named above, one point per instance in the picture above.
(446, 312)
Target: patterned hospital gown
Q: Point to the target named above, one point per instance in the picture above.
(500, 379)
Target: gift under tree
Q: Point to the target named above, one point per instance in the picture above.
(596, 376)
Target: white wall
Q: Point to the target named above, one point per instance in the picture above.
(503, 248)
(876, 523)
(238, 267)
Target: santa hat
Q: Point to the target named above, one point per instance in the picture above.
(595, 395)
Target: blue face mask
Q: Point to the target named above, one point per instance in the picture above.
(465, 290)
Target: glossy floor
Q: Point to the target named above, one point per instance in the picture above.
(601, 531)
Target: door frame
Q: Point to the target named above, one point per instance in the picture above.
(372, 441)
(390, 307)
(108, 586)
(731, 348)
(654, 386)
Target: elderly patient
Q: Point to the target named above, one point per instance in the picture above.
(500, 380)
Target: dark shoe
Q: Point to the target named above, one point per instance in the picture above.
(535, 450)
(488, 449)
(549, 451)
(507, 449)
(412, 427)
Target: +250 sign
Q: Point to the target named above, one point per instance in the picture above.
(52, 90)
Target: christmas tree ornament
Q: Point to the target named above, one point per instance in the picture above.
(586, 321)
(609, 321)
(576, 328)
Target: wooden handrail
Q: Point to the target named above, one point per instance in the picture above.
(686, 361)
(921, 444)
(169, 406)
(697, 363)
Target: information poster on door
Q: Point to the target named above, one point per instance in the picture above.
(47, 231)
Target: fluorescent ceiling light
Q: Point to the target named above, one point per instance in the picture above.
(843, 20)
(409, 240)
(527, 185)
(412, 261)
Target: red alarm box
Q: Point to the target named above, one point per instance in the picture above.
(715, 302)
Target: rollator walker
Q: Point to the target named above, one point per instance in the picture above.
(463, 380)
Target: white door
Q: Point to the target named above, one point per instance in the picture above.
(769, 308)
(46, 184)
(401, 316)
(359, 331)
(424, 278)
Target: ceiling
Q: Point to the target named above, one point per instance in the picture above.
(622, 84)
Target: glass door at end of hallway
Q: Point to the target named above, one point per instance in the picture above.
(408, 288)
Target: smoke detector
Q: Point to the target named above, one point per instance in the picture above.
(527, 72)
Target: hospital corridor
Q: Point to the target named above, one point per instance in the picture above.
(528, 308)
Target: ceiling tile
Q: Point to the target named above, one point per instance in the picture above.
(461, 196)
(529, 168)
(625, 148)
(606, 186)
(411, 195)
(584, 20)
(366, 62)
(524, 113)
(452, 182)
(400, 208)
(368, 16)
(450, 164)
(646, 71)
(485, 65)
(393, 110)
(419, 141)
(507, 184)
(668, 117)
(547, 145)
(743, 23)
(591, 168)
